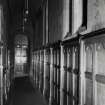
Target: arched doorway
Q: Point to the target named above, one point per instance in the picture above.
(21, 55)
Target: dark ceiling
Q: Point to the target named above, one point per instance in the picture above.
(15, 16)
(16, 8)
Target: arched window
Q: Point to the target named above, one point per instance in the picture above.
(21, 56)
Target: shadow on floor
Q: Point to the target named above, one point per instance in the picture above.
(22, 92)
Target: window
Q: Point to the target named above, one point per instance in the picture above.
(84, 13)
(20, 55)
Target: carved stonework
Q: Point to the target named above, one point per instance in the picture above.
(89, 54)
(76, 49)
(99, 46)
(64, 50)
(69, 51)
(89, 47)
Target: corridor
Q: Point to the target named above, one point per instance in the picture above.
(23, 92)
(52, 52)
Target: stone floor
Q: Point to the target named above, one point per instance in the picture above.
(22, 92)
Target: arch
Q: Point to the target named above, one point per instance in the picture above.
(21, 44)
(21, 40)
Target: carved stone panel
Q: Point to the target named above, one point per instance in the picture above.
(100, 94)
(100, 59)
